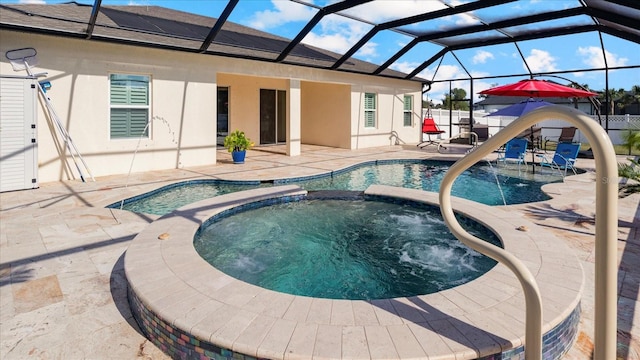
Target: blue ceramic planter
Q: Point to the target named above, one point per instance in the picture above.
(238, 156)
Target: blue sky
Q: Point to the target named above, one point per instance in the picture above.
(338, 33)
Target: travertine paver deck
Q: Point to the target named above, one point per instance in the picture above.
(60, 236)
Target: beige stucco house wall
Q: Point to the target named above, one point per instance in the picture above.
(324, 107)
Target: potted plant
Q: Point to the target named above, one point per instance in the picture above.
(237, 144)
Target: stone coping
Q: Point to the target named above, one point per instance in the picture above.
(479, 318)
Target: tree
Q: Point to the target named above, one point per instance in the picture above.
(631, 139)
(614, 95)
(575, 85)
(426, 104)
(457, 102)
(629, 97)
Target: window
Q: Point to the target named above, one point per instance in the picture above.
(369, 110)
(408, 110)
(129, 102)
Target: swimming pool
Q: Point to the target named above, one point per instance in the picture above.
(343, 246)
(482, 183)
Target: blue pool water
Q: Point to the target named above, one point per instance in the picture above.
(168, 198)
(481, 183)
(343, 249)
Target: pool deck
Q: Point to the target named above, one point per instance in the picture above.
(62, 285)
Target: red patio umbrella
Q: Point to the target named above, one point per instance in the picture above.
(537, 88)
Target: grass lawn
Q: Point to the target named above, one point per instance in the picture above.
(620, 149)
(623, 150)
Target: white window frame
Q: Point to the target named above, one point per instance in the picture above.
(145, 134)
(370, 113)
(408, 111)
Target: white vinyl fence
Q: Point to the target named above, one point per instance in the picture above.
(550, 128)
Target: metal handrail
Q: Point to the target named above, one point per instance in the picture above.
(605, 237)
(473, 135)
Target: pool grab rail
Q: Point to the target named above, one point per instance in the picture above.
(473, 135)
(605, 234)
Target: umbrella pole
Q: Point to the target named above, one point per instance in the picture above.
(533, 152)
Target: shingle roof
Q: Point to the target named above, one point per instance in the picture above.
(167, 28)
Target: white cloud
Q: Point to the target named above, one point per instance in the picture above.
(32, 2)
(449, 72)
(339, 34)
(540, 61)
(440, 89)
(333, 33)
(481, 57)
(283, 12)
(461, 19)
(465, 19)
(382, 11)
(592, 56)
(405, 67)
(335, 42)
(369, 49)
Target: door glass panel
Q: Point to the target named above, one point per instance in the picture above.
(281, 129)
(222, 127)
(273, 116)
(267, 116)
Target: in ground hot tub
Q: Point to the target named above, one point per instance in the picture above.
(190, 309)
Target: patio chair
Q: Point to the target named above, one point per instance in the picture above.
(514, 152)
(563, 159)
(482, 131)
(566, 136)
(429, 127)
(533, 136)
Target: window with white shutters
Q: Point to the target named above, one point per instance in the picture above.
(369, 110)
(129, 105)
(408, 110)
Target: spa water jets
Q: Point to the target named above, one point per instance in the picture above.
(495, 175)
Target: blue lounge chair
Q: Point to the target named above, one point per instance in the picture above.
(514, 152)
(563, 159)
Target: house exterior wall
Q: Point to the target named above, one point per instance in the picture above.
(183, 104)
(389, 117)
(183, 107)
(324, 110)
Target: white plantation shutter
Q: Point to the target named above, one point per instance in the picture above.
(408, 109)
(369, 110)
(129, 98)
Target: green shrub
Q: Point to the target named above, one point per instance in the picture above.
(237, 141)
